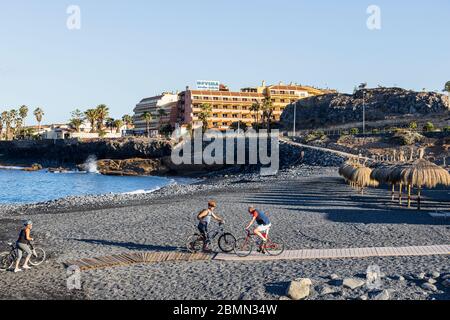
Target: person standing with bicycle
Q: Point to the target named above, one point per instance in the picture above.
(23, 245)
(264, 225)
(204, 218)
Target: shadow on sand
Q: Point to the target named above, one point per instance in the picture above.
(130, 245)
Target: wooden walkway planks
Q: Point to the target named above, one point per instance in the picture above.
(343, 253)
(126, 259)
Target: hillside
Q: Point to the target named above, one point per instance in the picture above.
(382, 104)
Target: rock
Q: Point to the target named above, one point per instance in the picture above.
(435, 274)
(446, 283)
(334, 277)
(353, 283)
(299, 289)
(326, 290)
(420, 276)
(363, 298)
(429, 287)
(284, 298)
(432, 281)
(398, 278)
(381, 295)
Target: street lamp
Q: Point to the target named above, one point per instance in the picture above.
(295, 118)
(363, 86)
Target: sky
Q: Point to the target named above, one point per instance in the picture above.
(127, 50)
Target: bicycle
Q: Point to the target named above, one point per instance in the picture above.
(226, 242)
(8, 259)
(244, 246)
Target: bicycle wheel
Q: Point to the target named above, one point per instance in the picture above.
(243, 247)
(195, 243)
(38, 257)
(227, 242)
(6, 261)
(274, 247)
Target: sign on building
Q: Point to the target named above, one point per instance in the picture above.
(208, 85)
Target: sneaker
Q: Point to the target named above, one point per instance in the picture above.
(26, 267)
(17, 270)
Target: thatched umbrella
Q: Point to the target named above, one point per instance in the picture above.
(362, 178)
(382, 174)
(347, 169)
(421, 173)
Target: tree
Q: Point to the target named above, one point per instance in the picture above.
(102, 115)
(7, 117)
(447, 89)
(110, 124)
(267, 109)
(128, 120)
(23, 113)
(2, 122)
(77, 118)
(238, 125)
(204, 115)
(92, 117)
(166, 129)
(147, 117)
(118, 124)
(39, 113)
(256, 108)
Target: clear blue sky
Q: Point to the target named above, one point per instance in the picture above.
(127, 50)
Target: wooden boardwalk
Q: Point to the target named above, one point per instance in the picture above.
(127, 259)
(343, 253)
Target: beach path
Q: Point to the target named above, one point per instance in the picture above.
(344, 253)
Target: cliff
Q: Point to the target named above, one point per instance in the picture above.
(381, 104)
(73, 152)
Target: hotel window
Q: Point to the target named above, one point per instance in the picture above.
(235, 99)
(272, 91)
(235, 116)
(282, 100)
(225, 116)
(225, 99)
(292, 92)
(196, 97)
(216, 98)
(282, 92)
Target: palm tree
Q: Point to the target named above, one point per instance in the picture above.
(8, 122)
(2, 121)
(92, 117)
(110, 124)
(102, 113)
(128, 120)
(23, 112)
(39, 113)
(267, 109)
(148, 117)
(77, 118)
(204, 115)
(256, 108)
(118, 124)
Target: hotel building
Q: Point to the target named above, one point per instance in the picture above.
(228, 107)
(166, 102)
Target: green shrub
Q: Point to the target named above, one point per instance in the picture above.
(429, 127)
(375, 131)
(413, 125)
(446, 129)
(354, 131)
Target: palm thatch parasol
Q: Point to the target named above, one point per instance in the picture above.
(362, 178)
(421, 173)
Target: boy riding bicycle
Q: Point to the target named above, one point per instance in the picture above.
(204, 218)
(264, 225)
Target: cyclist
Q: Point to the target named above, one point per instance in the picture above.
(204, 218)
(264, 225)
(22, 246)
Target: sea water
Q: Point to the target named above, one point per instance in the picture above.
(17, 186)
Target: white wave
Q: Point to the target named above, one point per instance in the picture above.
(11, 168)
(142, 191)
